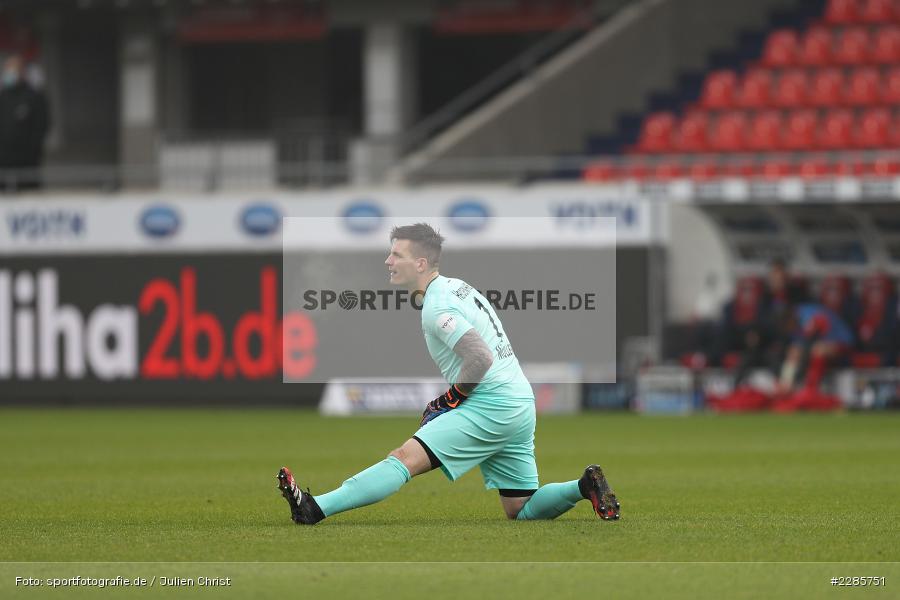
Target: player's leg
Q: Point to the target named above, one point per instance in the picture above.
(554, 499)
(367, 487)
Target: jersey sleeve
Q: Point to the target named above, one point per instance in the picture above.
(447, 322)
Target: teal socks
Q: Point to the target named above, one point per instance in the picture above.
(368, 487)
(550, 501)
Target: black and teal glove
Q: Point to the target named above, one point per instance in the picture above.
(443, 403)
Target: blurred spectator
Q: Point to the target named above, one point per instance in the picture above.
(752, 324)
(819, 339)
(24, 122)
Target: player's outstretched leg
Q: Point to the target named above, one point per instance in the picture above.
(553, 499)
(304, 509)
(368, 487)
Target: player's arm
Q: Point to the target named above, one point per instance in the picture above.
(476, 360)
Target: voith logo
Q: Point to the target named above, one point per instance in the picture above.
(53, 224)
(594, 214)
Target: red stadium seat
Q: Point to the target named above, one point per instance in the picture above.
(864, 87)
(827, 87)
(801, 130)
(792, 88)
(851, 166)
(765, 131)
(816, 167)
(841, 12)
(853, 47)
(740, 168)
(748, 295)
(656, 133)
(704, 170)
(873, 129)
(781, 48)
(877, 11)
(668, 169)
(776, 167)
(691, 134)
(837, 130)
(890, 93)
(636, 168)
(603, 170)
(886, 47)
(815, 47)
(729, 132)
(885, 167)
(835, 293)
(719, 90)
(755, 89)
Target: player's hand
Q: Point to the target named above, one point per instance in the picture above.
(443, 403)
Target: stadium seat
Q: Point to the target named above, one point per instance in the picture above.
(841, 12)
(885, 166)
(747, 301)
(740, 168)
(781, 49)
(792, 88)
(815, 167)
(815, 47)
(875, 328)
(827, 87)
(656, 133)
(636, 168)
(755, 89)
(837, 130)
(603, 170)
(692, 132)
(873, 129)
(719, 90)
(851, 166)
(836, 293)
(864, 87)
(890, 92)
(852, 47)
(729, 132)
(886, 47)
(704, 170)
(765, 131)
(877, 11)
(801, 130)
(776, 167)
(668, 169)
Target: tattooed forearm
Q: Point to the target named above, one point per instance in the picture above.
(477, 359)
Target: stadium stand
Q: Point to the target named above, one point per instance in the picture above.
(827, 83)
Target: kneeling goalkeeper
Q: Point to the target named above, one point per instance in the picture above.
(486, 418)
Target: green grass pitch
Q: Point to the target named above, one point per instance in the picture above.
(712, 506)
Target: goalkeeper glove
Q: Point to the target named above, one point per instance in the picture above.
(443, 403)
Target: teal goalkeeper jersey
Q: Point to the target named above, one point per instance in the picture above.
(451, 308)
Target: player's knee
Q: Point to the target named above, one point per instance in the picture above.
(513, 514)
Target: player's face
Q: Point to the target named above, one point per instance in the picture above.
(402, 267)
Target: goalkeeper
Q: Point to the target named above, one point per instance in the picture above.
(486, 418)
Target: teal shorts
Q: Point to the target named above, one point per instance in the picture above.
(498, 439)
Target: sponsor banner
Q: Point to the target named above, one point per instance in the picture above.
(350, 396)
(156, 328)
(393, 396)
(573, 214)
(868, 388)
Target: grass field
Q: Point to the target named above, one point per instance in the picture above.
(712, 506)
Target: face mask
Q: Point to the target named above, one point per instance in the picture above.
(10, 78)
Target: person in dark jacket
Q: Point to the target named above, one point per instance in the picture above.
(24, 122)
